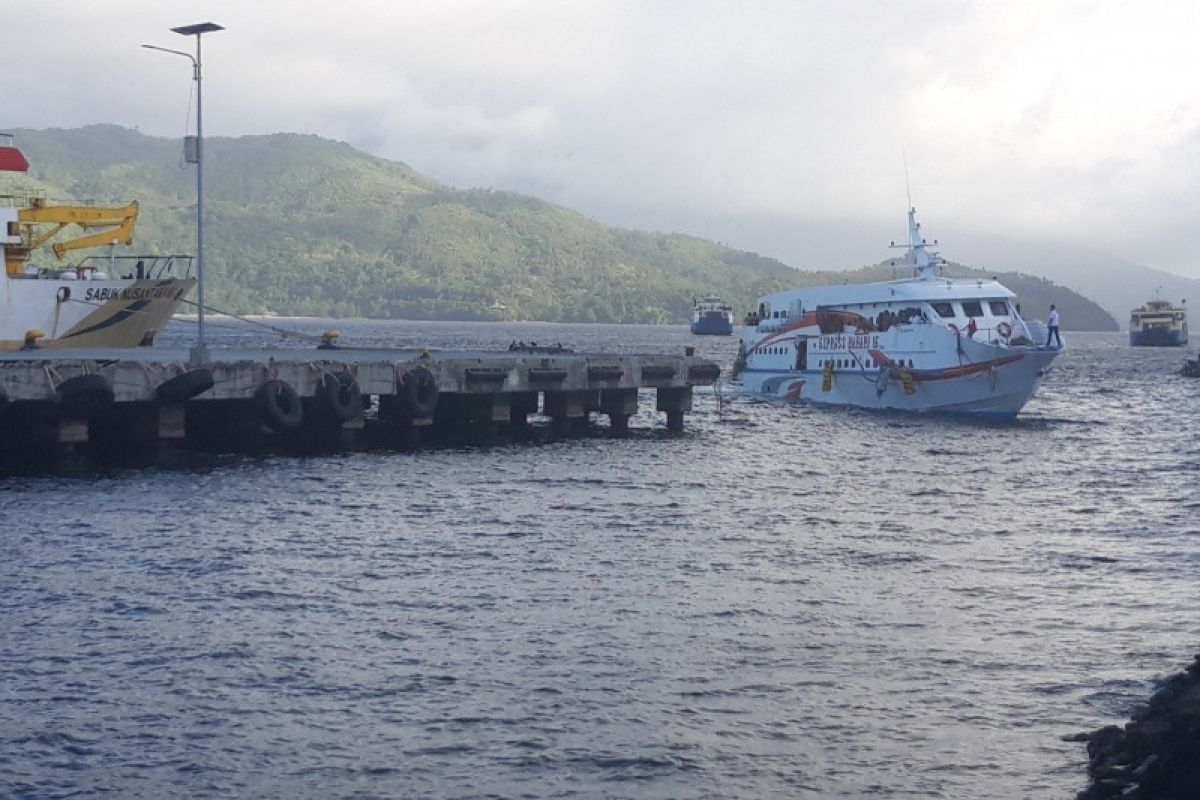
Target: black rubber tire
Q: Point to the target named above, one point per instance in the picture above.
(84, 396)
(339, 397)
(184, 386)
(420, 393)
(279, 406)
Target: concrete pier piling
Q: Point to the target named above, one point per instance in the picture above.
(110, 401)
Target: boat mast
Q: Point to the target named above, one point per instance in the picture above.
(926, 261)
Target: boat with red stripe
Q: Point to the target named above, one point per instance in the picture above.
(922, 343)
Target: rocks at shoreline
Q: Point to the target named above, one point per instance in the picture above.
(1156, 756)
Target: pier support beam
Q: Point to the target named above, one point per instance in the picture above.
(72, 431)
(472, 416)
(172, 421)
(567, 410)
(676, 401)
(231, 425)
(619, 405)
(126, 428)
(521, 405)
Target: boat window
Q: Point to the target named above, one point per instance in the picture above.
(972, 308)
(999, 308)
(943, 309)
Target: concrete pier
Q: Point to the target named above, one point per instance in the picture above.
(109, 401)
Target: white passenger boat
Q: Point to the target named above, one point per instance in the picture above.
(109, 301)
(925, 343)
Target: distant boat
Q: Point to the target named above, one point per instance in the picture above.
(712, 317)
(1158, 324)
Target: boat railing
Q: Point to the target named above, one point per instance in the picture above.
(143, 267)
(113, 267)
(20, 199)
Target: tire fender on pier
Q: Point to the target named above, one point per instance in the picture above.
(184, 386)
(420, 392)
(339, 397)
(279, 406)
(84, 396)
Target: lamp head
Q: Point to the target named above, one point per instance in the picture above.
(198, 28)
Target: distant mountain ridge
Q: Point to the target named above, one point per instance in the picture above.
(297, 224)
(1117, 284)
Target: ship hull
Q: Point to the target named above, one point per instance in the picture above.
(919, 368)
(998, 388)
(712, 326)
(88, 313)
(1159, 338)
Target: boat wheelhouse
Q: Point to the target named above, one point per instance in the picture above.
(926, 343)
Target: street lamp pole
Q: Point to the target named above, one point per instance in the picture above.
(199, 353)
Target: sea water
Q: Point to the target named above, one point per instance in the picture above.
(783, 601)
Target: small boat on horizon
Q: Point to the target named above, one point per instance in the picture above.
(712, 317)
(1158, 323)
(925, 343)
(100, 301)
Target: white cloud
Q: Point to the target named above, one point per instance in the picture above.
(1064, 118)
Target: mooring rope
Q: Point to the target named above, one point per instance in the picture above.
(282, 332)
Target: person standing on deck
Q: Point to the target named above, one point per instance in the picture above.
(1052, 325)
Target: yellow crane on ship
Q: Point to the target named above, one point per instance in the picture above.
(115, 224)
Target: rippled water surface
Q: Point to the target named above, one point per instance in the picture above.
(781, 602)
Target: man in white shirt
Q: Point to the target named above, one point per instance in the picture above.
(1052, 324)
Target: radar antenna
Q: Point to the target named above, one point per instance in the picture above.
(907, 187)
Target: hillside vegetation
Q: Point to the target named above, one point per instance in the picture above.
(301, 225)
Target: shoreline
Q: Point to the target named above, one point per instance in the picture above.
(1154, 756)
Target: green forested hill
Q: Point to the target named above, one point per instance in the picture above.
(306, 226)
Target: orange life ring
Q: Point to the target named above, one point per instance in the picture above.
(1004, 329)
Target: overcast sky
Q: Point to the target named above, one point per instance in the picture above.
(779, 127)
